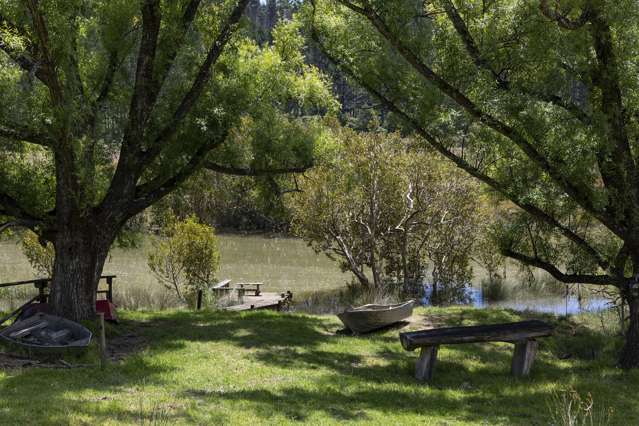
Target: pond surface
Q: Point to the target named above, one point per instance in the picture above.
(521, 300)
(280, 263)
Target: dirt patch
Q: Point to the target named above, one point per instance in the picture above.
(119, 347)
(11, 362)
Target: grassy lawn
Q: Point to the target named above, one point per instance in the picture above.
(268, 368)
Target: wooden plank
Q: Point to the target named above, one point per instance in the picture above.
(15, 283)
(426, 363)
(523, 357)
(221, 285)
(254, 304)
(60, 334)
(509, 332)
(25, 331)
(34, 281)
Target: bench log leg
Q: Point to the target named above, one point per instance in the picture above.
(426, 363)
(523, 357)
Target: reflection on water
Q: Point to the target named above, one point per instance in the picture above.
(555, 305)
(558, 305)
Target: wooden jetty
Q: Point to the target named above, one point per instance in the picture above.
(250, 296)
(277, 301)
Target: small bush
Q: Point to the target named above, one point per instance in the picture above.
(41, 257)
(494, 289)
(185, 258)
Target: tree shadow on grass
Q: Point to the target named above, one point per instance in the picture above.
(301, 404)
(336, 377)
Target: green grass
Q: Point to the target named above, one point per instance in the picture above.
(268, 368)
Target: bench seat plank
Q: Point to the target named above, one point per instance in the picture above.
(509, 332)
(221, 285)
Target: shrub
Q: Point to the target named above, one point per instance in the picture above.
(41, 257)
(186, 257)
(494, 289)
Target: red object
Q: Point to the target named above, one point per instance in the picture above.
(107, 308)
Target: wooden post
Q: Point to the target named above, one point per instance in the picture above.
(199, 300)
(426, 363)
(110, 289)
(102, 340)
(523, 357)
(41, 285)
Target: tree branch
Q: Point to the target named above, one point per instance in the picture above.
(74, 64)
(202, 78)
(558, 101)
(562, 20)
(153, 190)
(143, 89)
(249, 171)
(176, 42)
(616, 164)
(470, 45)
(51, 77)
(23, 134)
(18, 223)
(557, 274)
(24, 62)
(502, 83)
(9, 206)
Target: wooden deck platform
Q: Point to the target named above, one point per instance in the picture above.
(276, 301)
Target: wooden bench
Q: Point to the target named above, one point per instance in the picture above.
(521, 334)
(254, 287)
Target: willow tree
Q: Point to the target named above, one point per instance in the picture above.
(537, 99)
(107, 106)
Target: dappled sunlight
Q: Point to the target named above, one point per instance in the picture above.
(213, 366)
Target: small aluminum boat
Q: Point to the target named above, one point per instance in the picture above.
(371, 317)
(43, 331)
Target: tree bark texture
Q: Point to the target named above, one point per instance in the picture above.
(81, 250)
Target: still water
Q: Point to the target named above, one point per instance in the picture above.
(280, 263)
(518, 299)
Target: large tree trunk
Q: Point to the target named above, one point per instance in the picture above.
(630, 353)
(80, 252)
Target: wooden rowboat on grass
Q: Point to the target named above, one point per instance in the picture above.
(372, 317)
(42, 331)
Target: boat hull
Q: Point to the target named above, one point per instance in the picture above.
(47, 332)
(372, 317)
